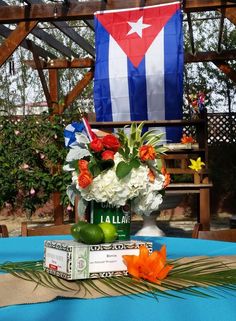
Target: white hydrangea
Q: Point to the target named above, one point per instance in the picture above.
(150, 200)
(136, 186)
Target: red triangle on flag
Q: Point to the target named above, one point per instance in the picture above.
(135, 30)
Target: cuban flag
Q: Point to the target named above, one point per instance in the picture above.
(139, 65)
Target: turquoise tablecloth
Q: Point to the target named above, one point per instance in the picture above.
(123, 308)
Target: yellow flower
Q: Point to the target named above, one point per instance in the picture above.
(196, 165)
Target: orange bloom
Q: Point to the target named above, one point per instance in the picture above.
(151, 176)
(167, 177)
(108, 154)
(85, 179)
(96, 145)
(147, 152)
(83, 165)
(151, 267)
(187, 139)
(111, 142)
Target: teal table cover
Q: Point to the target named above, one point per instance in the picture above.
(124, 308)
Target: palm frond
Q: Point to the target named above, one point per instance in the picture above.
(199, 277)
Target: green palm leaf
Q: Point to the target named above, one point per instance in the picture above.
(198, 277)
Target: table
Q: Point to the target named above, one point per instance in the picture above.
(124, 308)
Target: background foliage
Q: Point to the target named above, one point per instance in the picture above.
(31, 154)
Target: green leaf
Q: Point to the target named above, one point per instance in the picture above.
(135, 163)
(132, 134)
(149, 135)
(139, 132)
(121, 152)
(94, 168)
(123, 169)
(159, 164)
(127, 152)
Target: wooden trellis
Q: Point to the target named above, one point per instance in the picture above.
(221, 128)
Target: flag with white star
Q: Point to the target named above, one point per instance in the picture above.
(139, 65)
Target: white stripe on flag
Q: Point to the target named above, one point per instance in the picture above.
(119, 89)
(155, 80)
(70, 128)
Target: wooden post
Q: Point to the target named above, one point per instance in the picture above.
(58, 210)
(53, 88)
(3, 231)
(205, 208)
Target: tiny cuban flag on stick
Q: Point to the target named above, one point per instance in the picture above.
(139, 65)
(78, 127)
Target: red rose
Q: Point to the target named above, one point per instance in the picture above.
(83, 165)
(96, 145)
(108, 154)
(85, 179)
(147, 152)
(111, 142)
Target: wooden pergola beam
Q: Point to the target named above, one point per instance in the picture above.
(74, 36)
(79, 87)
(69, 32)
(14, 39)
(221, 28)
(63, 63)
(5, 32)
(78, 10)
(207, 5)
(190, 27)
(89, 62)
(226, 69)
(210, 56)
(230, 13)
(40, 72)
(54, 43)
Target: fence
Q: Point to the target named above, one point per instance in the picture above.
(221, 128)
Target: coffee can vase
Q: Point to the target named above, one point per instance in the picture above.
(119, 216)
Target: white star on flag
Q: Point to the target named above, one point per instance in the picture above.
(137, 27)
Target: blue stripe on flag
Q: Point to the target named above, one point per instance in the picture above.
(174, 60)
(137, 91)
(102, 95)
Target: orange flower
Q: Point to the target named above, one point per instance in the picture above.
(151, 267)
(147, 152)
(96, 145)
(111, 142)
(151, 176)
(167, 177)
(187, 139)
(108, 154)
(85, 179)
(83, 165)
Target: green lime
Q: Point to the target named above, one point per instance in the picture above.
(109, 231)
(91, 234)
(75, 229)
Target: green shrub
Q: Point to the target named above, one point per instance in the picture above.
(31, 148)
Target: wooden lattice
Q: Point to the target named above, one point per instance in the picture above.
(221, 128)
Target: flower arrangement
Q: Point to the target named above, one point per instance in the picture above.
(118, 168)
(197, 101)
